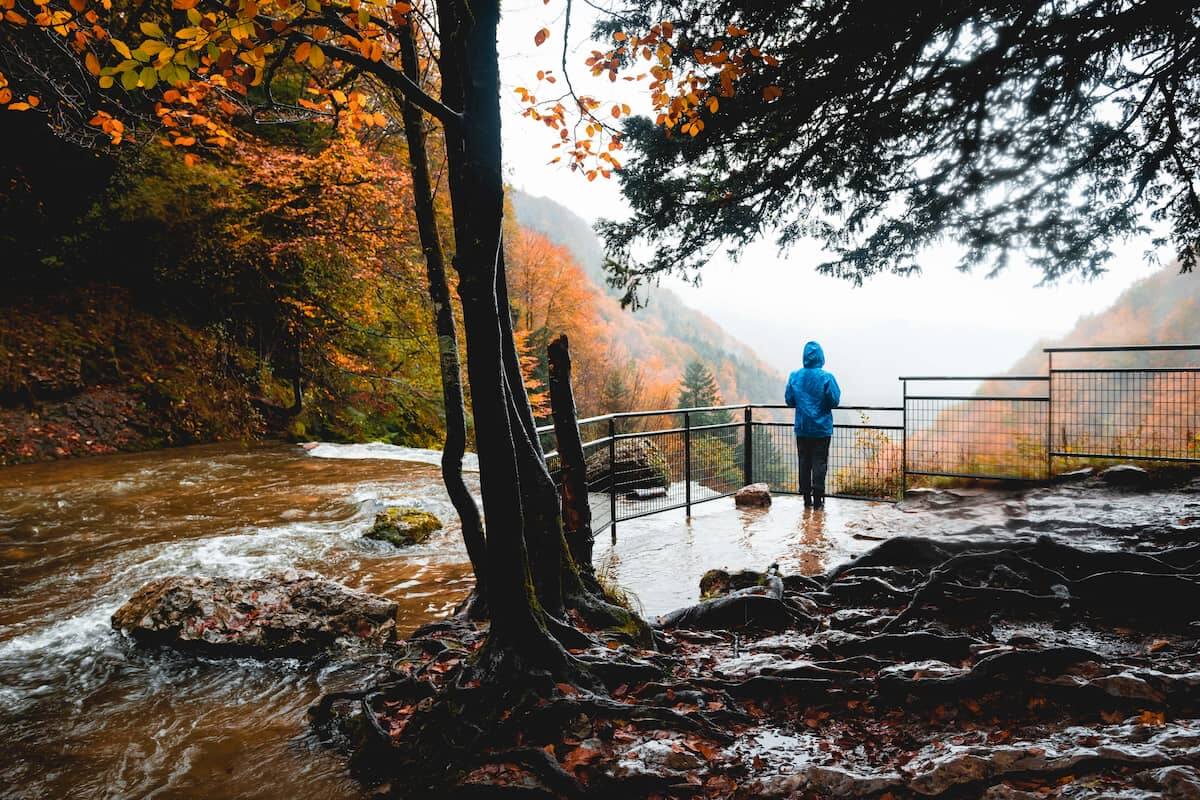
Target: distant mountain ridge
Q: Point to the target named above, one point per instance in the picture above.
(666, 333)
(1162, 308)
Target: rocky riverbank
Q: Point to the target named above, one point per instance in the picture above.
(1019, 660)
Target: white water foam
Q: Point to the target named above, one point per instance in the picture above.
(385, 451)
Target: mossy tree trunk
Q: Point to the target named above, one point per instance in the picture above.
(576, 512)
(519, 644)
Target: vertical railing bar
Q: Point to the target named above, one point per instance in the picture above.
(612, 477)
(1049, 415)
(904, 441)
(748, 447)
(687, 462)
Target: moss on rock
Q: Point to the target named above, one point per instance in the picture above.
(719, 582)
(403, 526)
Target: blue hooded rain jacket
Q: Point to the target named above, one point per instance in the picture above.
(814, 393)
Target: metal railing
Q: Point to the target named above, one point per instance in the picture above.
(645, 462)
(1139, 407)
(1144, 411)
(1112, 403)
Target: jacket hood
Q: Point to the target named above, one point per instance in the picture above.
(814, 356)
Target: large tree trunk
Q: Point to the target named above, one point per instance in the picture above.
(443, 317)
(518, 642)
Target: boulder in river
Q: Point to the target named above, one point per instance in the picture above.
(638, 464)
(281, 614)
(403, 526)
(755, 495)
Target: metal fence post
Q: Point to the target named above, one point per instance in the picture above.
(1049, 415)
(687, 463)
(612, 479)
(904, 441)
(748, 447)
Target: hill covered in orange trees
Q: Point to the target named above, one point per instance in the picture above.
(1162, 308)
(650, 348)
(1124, 410)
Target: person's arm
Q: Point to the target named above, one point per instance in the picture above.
(833, 392)
(789, 396)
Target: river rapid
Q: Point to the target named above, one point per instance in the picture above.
(84, 713)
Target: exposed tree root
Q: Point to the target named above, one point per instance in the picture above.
(557, 779)
(914, 644)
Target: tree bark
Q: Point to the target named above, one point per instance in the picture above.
(518, 642)
(576, 512)
(443, 318)
(543, 524)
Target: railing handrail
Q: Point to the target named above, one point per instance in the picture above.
(1135, 348)
(781, 406)
(974, 378)
(892, 477)
(661, 412)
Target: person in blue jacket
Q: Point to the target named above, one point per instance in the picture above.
(814, 393)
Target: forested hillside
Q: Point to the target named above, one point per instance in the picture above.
(665, 335)
(278, 289)
(1153, 414)
(1163, 308)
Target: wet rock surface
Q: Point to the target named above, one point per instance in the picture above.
(754, 495)
(1125, 475)
(1031, 654)
(283, 614)
(718, 582)
(403, 526)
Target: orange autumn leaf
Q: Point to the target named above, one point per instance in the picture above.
(1155, 718)
(540, 37)
(579, 757)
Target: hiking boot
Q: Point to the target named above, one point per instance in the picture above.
(818, 501)
(808, 500)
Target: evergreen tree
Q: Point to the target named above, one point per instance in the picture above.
(700, 390)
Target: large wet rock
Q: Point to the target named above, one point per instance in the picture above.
(658, 758)
(289, 613)
(719, 582)
(403, 526)
(754, 495)
(1125, 475)
(638, 464)
(1175, 783)
(938, 769)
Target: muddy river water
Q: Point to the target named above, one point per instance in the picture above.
(84, 713)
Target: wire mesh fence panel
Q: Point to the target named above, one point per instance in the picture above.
(1151, 414)
(600, 481)
(865, 461)
(648, 473)
(774, 460)
(973, 437)
(718, 460)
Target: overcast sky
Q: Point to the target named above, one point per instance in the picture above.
(937, 323)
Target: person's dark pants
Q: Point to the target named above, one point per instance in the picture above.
(814, 463)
